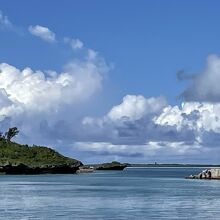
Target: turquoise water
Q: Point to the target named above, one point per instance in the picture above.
(150, 193)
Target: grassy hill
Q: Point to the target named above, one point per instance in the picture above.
(14, 153)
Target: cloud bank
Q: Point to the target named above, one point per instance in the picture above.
(153, 129)
(190, 132)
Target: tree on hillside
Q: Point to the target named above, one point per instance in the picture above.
(12, 132)
(2, 137)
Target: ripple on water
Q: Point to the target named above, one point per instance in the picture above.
(131, 194)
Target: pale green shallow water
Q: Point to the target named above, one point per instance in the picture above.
(158, 193)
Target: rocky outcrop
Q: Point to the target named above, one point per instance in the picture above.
(44, 169)
(111, 166)
(86, 169)
(213, 173)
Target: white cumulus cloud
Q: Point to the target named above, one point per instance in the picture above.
(136, 107)
(202, 118)
(36, 91)
(40, 102)
(43, 32)
(126, 123)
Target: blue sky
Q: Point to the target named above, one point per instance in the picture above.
(142, 43)
(147, 41)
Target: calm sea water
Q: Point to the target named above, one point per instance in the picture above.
(150, 193)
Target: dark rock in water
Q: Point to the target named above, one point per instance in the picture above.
(111, 166)
(213, 173)
(15, 169)
(45, 169)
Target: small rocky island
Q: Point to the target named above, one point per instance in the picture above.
(23, 159)
(114, 165)
(213, 173)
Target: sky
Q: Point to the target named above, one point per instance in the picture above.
(134, 81)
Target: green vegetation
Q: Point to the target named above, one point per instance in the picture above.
(14, 153)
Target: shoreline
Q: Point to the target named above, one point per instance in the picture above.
(170, 167)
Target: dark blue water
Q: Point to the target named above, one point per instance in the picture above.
(157, 193)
